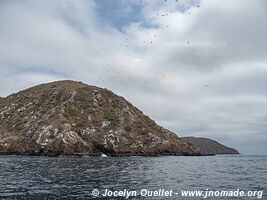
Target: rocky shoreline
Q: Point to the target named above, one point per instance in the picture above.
(106, 155)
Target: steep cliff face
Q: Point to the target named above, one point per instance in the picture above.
(208, 146)
(72, 118)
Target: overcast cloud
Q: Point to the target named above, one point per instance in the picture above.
(195, 67)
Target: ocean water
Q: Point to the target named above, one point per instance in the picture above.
(23, 177)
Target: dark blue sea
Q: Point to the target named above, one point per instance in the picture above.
(23, 177)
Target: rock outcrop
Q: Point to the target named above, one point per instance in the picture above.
(209, 147)
(72, 118)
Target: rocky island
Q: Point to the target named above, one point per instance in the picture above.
(72, 118)
(209, 147)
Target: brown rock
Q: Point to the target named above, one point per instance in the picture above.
(72, 118)
(207, 146)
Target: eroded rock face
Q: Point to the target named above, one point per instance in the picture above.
(72, 118)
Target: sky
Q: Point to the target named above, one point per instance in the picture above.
(198, 68)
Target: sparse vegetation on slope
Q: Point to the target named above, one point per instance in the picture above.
(72, 118)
